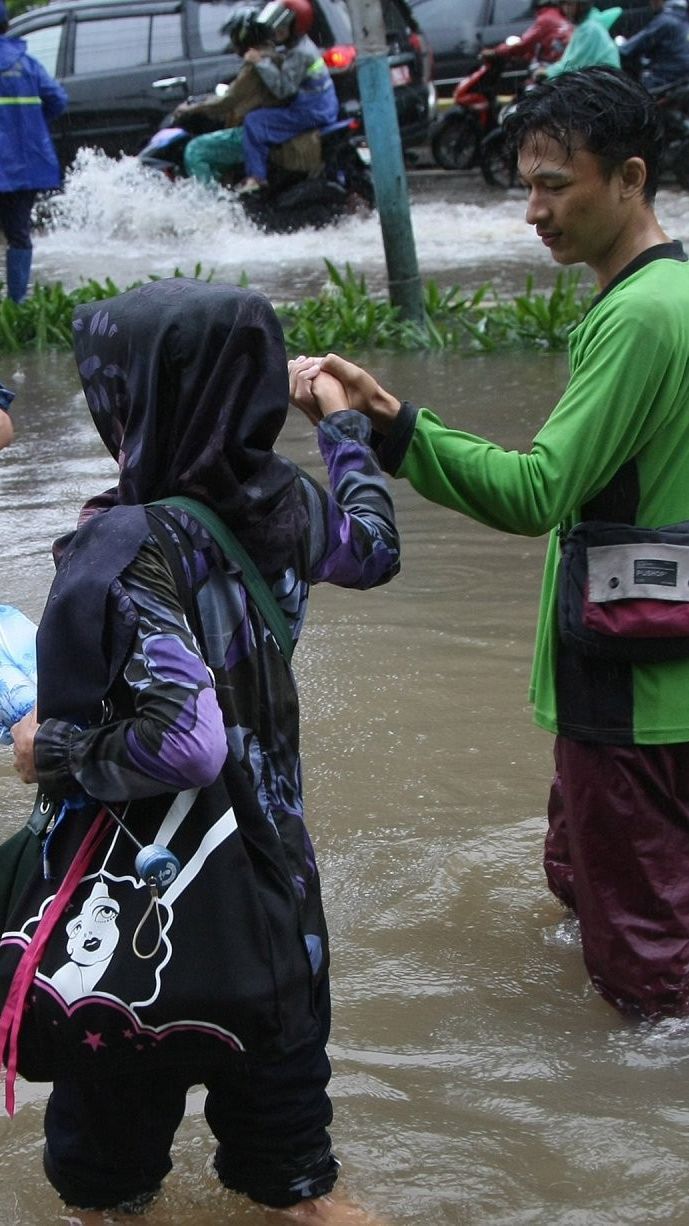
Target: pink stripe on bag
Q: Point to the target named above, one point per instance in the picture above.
(13, 1012)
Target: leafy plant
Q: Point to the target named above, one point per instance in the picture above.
(344, 315)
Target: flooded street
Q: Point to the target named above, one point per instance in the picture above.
(116, 220)
(478, 1079)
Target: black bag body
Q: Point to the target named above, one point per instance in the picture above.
(218, 963)
(623, 591)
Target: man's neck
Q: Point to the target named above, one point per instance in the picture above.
(636, 238)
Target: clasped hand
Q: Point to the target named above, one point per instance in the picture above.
(320, 386)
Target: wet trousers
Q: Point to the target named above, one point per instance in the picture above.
(15, 217)
(108, 1142)
(273, 125)
(617, 853)
(207, 157)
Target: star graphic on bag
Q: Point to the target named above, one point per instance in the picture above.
(94, 1041)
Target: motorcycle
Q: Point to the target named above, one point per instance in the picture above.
(477, 101)
(673, 104)
(293, 199)
(498, 162)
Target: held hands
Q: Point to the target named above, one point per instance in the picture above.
(314, 392)
(23, 733)
(348, 387)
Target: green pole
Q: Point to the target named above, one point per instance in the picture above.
(387, 159)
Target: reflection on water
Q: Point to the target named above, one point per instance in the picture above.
(478, 1079)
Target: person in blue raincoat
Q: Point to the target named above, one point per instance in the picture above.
(29, 99)
(301, 81)
(663, 43)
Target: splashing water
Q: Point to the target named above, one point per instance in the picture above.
(116, 218)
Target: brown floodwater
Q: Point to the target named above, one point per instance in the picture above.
(478, 1079)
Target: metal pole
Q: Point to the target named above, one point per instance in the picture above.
(387, 159)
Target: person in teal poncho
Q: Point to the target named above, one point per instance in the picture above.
(591, 43)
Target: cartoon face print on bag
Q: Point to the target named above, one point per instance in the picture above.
(92, 937)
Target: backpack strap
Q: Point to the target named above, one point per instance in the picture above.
(253, 580)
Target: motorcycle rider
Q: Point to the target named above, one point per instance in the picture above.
(209, 156)
(591, 42)
(663, 44)
(300, 80)
(543, 42)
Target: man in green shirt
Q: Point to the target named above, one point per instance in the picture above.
(616, 448)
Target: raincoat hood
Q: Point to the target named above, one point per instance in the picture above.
(187, 386)
(607, 17)
(11, 50)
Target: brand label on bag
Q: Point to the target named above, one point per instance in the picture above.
(627, 572)
(653, 570)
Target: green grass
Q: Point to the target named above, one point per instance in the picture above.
(346, 316)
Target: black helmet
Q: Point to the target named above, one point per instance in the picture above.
(243, 30)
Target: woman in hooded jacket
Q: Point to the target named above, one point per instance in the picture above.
(187, 385)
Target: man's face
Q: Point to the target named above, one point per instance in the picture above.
(576, 210)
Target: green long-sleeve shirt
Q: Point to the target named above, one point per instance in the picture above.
(621, 430)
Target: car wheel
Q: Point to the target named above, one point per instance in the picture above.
(454, 143)
(498, 163)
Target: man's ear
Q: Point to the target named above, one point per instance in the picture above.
(633, 176)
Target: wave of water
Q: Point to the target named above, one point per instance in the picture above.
(117, 219)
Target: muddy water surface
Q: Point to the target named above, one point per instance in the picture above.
(477, 1078)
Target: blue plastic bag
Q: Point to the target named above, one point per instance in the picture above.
(17, 668)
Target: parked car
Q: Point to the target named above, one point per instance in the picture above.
(457, 30)
(127, 63)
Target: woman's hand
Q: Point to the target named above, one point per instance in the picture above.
(23, 734)
(312, 391)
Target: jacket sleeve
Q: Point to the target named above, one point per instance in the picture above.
(53, 97)
(610, 410)
(354, 540)
(174, 738)
(641, 42)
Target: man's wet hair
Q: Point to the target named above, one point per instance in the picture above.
(601, 110)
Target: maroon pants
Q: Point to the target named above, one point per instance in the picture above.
(617, 853)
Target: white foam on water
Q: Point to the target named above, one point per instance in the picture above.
(116, 219)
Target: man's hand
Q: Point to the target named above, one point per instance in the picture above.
(23, 733)
(252, 55)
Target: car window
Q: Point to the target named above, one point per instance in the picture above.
(445, 22)
(332, 23)
(43, 44)
(212, 18)
(166, 37)
(117, 42)
(507, 11)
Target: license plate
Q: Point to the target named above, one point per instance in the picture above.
(401, 74)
